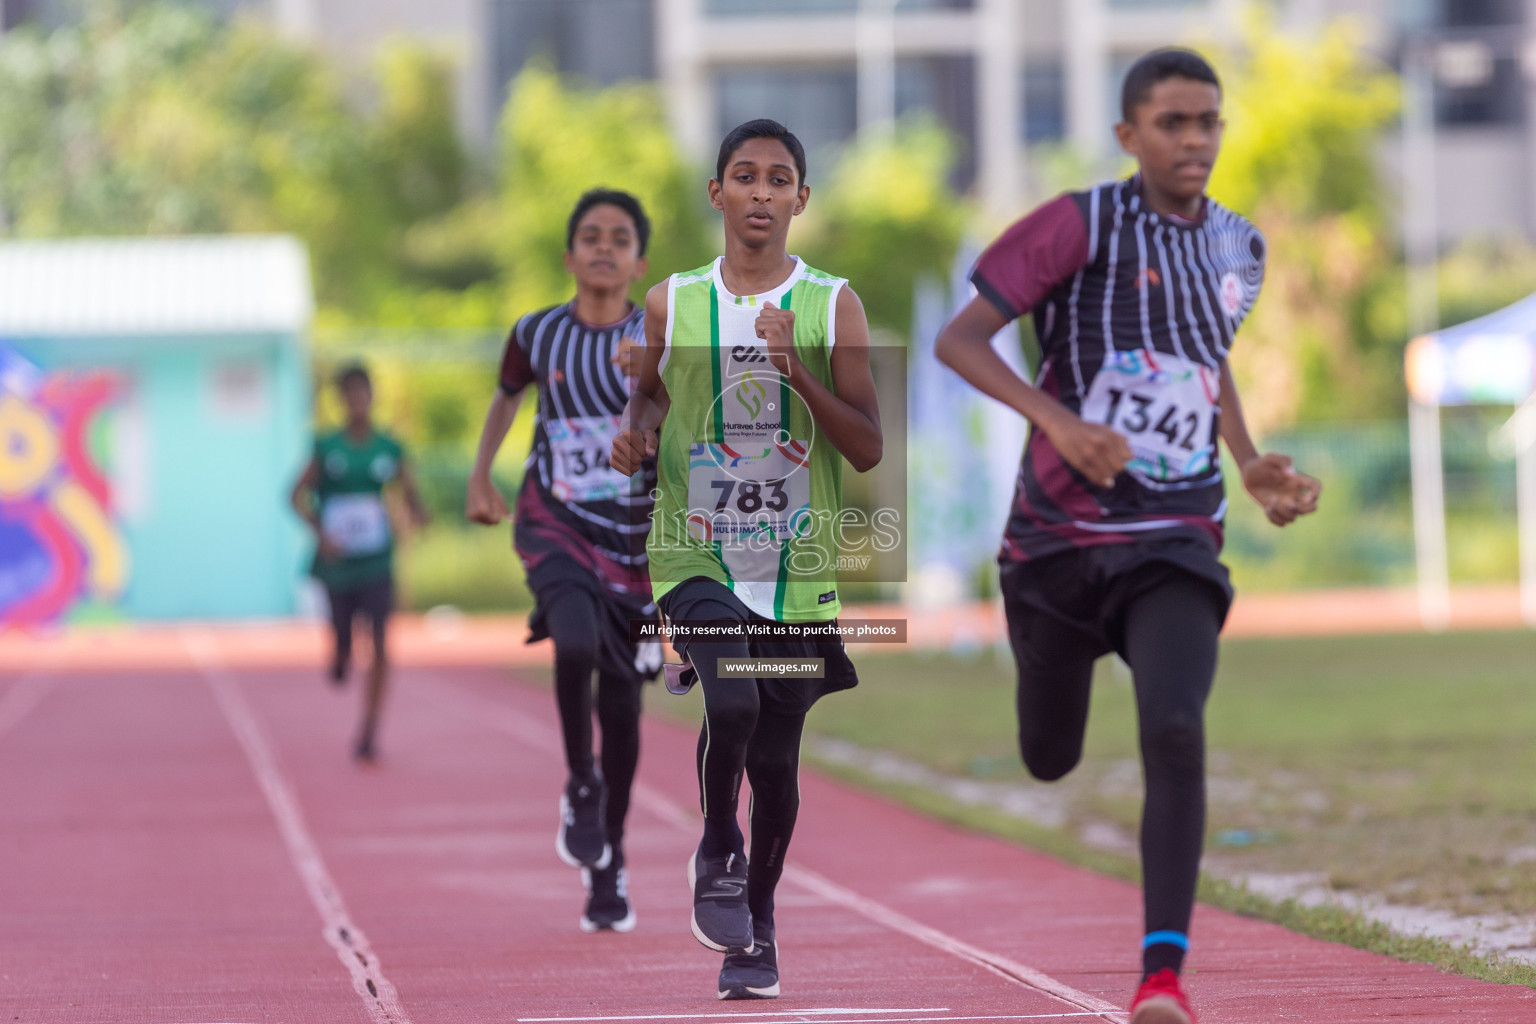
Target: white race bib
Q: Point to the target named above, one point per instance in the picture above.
(1165, 407)
(578, 454)
(356, 523)
(749, 493)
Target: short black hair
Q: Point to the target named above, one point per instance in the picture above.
(1158, 66)
(609, 197)
(762, 128)
(353, 372)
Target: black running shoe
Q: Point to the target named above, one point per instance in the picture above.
(608, 906)
(363, 749)
(582, 841)
(753, 975)
(721, 919)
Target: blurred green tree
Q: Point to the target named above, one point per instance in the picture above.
(560, 139)
(1484, 274)
(160, 119)
(1301, 158)
(885, 218)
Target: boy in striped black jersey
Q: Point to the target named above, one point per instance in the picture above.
(755, 386)
(1137, 288)
(581, 527)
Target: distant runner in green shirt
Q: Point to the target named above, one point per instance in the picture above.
(341, 496)
(754, 387)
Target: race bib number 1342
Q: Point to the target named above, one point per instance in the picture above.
(1165, 406)
(579, 449)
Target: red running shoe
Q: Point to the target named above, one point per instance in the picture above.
(1160, 1000)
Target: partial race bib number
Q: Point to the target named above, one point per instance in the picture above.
(1165, 406)
(356, 523)
(745, 491)
(579, 448)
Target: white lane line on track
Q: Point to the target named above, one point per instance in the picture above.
(762, 1018)
(1012, 970)
(528, 730)
(339, 931)
(1003, 967)
(24, 695)
(742, 1015)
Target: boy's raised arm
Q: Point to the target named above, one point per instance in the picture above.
(848, 413)
(965, 346)
(648, 402)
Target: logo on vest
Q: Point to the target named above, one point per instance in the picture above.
(751, 393)
(1231, 294)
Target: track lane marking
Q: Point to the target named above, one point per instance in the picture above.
(762, 1018)
(22, 696)
(521, 727)
(741, 1014)
(339, 931)
(1004, 967)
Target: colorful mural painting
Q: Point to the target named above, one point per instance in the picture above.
(60, 545)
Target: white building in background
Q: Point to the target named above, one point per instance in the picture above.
(1004, 75)
(1008, 74)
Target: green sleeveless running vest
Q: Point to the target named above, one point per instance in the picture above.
(749, 495)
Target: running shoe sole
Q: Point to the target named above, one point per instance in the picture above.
(679, 679)
(752, 975)
(1160, 1010)
(748, 992)
(624, 924)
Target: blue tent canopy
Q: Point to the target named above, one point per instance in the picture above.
(1490, 360)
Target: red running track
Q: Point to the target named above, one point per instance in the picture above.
(194, 846)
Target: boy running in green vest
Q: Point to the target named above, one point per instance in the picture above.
(341, 496)
(755, 385)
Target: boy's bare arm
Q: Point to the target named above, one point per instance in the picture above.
(302, 497)
(483, 503)
(965, 346)
(1270, 478)
(648, 401)
(303, 500)
(413, 502)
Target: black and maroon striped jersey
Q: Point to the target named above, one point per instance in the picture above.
(1135, 312)
(571, 502)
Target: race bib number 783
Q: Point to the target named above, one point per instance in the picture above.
(743, 490)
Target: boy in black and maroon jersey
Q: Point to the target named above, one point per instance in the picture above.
(1137, 288)
(581, 529)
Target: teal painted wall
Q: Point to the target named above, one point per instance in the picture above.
(202, 445)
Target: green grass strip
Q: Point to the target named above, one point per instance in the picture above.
(1328, 923)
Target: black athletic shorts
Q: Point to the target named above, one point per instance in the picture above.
(683, 603)
(1082, 594)
(375, 599)
(617, 653)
